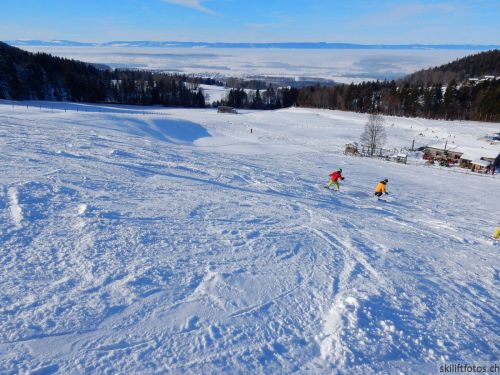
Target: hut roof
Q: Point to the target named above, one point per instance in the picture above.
(482, 163)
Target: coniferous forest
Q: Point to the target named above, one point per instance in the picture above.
(40, 76)
(479, 102)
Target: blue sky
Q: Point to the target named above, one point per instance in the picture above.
(353, 21)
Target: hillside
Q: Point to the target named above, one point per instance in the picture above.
(24, 75)
(473, 66)
(40, 76)
(445, 92)
(181, 242)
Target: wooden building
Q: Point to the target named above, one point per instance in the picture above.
(451, 156)
(480, 166)
(465, 161)
(490, 159)
(225, 109)
(479, 160)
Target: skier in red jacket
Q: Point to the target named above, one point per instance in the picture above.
(334, 179)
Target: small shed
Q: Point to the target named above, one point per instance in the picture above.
(400, 158)
(226, 109)
(351, 149)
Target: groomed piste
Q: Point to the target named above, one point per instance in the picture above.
(179, 241)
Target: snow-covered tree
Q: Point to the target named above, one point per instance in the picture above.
(374, 135)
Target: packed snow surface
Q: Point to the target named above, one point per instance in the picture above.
(214, 93)
(150, 241)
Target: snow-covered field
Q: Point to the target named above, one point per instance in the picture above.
(214, 93)
(180, 242)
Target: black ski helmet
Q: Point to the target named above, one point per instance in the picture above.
(386, 180)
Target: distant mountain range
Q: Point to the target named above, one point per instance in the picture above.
(305, 45)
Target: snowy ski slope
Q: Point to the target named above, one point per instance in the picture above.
(179, 242)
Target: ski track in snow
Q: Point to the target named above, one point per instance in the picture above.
(181, 243)
(15, 210)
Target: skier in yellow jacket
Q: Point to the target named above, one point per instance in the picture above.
(496, 235)
(381, 188)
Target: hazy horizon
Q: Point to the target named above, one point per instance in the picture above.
(225, 44)
(345, 66)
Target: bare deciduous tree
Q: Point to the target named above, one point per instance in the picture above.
(374, 135)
